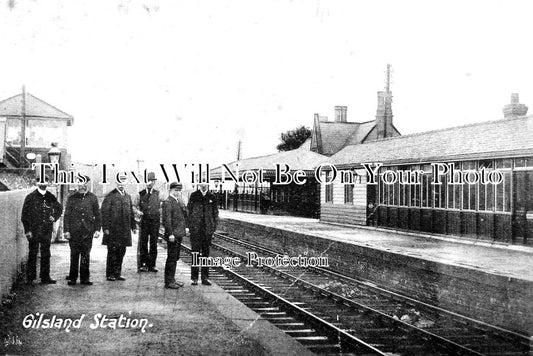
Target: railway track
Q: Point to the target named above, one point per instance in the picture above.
(333, 314)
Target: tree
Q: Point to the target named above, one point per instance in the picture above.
(293, 139)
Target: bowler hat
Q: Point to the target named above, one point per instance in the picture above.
(151, 176)
(176, 185)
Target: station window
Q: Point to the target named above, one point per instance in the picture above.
(415, 190)
(486, 191)
(503, 193)
(348, 193)
(469, 190)
(427, 191)
(523, 162)
(329, 189)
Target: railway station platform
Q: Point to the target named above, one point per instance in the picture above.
(492, 283)
(194, 320)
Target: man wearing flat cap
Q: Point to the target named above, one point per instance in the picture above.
(81, 224)
(203, 219)
(148, 204)
(175, 223)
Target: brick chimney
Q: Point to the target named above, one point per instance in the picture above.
(384, 115)
(340, 113)
(514, 109)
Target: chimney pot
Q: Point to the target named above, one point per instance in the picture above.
(514, 109)
(344, 115)
(338, 113)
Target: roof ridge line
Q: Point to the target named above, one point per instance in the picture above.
(451, 128)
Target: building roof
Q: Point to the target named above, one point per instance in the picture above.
(329, 137)
(35, 108)
(335, 135)
(494, 139)
(298, 159)
(360, 133)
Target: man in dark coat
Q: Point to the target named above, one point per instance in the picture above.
(203, 219)
(118, 221)
(39, 212)
(82, 223)
(148, 203)
(175, 223)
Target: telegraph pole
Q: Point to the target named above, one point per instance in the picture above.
(388, 103)
(22, 158)
(239, 148)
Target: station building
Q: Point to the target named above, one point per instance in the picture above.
(497, 212)
(31, 125)
(269, 197)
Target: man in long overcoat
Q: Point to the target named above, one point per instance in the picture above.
(118, 222)
(148, 203)
(175, 223)
(82, 223)
(203, 219)
(39, 212)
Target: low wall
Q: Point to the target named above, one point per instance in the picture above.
(13, 244)
(483, 296)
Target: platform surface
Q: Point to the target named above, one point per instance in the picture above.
(194, 320)
(505, 260)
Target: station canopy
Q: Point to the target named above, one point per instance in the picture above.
(299, 159)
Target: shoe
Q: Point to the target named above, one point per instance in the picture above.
(206, 282)
(71, 283)
(120, 278)
(181, 284)
(143, 269)
(153, 269)
(87, 283)
(48, 281)
(194, 282)
(172, 286)
(111, 279)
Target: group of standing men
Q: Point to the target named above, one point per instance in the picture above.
(83, 220)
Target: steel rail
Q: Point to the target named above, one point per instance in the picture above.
(349, 339)
(524, 339)
(448, 344)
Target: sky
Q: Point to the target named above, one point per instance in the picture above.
(184, 81)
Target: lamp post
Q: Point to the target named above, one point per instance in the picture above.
(54, 154)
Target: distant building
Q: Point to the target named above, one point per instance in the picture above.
(329, 137)
(41, 125)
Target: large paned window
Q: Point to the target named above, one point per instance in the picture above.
(470, 197)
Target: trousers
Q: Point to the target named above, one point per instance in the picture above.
(80, 249)
(36, 243)
(149, 233)
(173, 255)
(115, 256)
(200, 243)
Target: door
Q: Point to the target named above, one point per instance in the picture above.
(523, 206)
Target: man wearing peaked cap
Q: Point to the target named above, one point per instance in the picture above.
(175, 223)
(148, 204)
